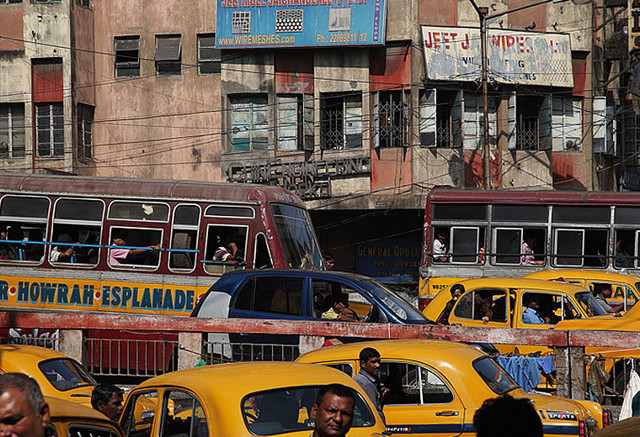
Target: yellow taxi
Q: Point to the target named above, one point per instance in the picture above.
(503, 303)
(57, 374)
(239, 399)
(72, 419)
(435, 388)
(625, 289)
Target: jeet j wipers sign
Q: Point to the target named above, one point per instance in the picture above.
(299, 23)
(531, 58)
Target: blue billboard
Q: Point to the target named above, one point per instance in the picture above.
(244, 24)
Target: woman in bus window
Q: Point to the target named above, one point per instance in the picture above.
(528, 258)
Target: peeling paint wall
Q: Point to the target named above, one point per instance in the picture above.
(160, 126)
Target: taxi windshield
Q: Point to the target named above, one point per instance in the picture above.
(296, 235)
(289, 409)
(65, 374)
(589, 304)
(494, 376)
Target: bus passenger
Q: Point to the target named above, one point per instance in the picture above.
(229, 253)
(622, 258)
(528, 259)
(119, 255)
(440, 249)
(63, 252)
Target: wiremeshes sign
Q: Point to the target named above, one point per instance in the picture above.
(530, 58)
(299, 23)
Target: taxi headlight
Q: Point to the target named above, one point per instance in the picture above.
(561, 415)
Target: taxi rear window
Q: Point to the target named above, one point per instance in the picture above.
(494, 376)
(289, 409)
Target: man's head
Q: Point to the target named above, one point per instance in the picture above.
(329, 262)
(442, 236)
(505, 416)
(340, 302)
(370, 361)
(604, 290)
(107, 398)
(532, 301)
(456, 291)
(333, 411)
(23, 411)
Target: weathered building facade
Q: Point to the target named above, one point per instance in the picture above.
(361, 122)
(46, 72)
(127, 88)
(363, 132)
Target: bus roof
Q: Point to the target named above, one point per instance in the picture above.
(143, 188)
(450, 195)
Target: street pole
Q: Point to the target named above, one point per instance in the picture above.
(482, 13)
(483, 16)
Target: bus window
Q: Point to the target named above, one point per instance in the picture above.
(466, 243)
(137, 247)
(507, 244)
(229, 211)
(139, 211)
(569, 244)
(77, 225)
(520, 213)
(623, 256)
(220, 238)
(262, 256)
(296, 235)
(23, 225)
(186, 221)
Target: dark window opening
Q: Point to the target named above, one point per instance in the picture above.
(341, 120)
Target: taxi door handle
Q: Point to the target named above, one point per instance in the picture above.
(447, 413)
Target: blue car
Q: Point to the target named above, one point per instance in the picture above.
(296, 295)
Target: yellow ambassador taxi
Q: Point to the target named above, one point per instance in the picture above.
(435, 388)
(501, 303)
(239, 399)
(625, 289)
(57, 374)
(70, 419)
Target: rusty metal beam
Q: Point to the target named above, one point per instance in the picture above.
(32, 319)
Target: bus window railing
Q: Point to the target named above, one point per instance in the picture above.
(25, 243)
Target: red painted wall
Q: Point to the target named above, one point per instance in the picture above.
(47, 82)
(437, 12)
(474, 169)
(11, 24)
(522, 19)
(294, 71)
(390, 68)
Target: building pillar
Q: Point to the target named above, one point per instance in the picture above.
(189, 349)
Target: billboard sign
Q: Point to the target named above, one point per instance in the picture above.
(243, 24)
(514, 57)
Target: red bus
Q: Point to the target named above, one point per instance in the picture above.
(513, 233)
(171, 232)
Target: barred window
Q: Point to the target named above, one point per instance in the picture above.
(11, 130)
(50, 129)
(85, 131)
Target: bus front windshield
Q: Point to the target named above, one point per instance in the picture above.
(298, 241)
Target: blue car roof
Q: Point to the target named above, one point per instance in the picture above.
(228, 281)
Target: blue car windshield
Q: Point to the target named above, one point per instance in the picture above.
(402, 309)
(296, 235)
